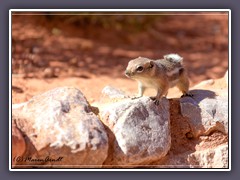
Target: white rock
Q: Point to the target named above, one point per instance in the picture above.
(204, 83)
(141, 130)
(60, 123)
(206, 112)
(112, 92)
(210, 158)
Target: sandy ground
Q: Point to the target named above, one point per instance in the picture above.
(49, 51)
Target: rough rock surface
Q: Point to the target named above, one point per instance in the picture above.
(110, 94)
(140, 131)
(210, 158)
(206, 112)
(60, 123)
(189, 132)
(113, 93)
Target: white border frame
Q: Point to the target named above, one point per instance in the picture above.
(119, 10)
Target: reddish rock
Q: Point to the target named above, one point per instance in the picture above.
(18, 144)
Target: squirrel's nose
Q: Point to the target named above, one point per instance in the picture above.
(127, 73)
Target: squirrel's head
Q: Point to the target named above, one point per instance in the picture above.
(139, 68)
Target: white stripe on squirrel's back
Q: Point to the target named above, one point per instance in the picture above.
(173, 57)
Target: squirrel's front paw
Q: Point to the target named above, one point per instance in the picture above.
(135, 97)
(155, 100)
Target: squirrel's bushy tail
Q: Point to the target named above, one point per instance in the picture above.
(173, 57)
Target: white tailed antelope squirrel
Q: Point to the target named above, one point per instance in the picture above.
(159, 74)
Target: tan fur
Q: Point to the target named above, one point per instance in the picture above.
(159, 74)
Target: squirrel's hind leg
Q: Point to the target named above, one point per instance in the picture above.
(183, 85)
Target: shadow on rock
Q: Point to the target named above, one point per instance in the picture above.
(206, 111)
(198, 96)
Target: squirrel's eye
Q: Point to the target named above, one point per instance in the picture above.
(139, 69)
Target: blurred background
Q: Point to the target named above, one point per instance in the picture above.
(91, 50)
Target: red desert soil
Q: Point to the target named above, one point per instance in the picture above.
(52, 51)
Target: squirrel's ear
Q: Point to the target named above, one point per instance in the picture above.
(151, 64)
